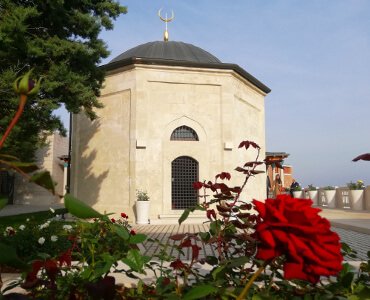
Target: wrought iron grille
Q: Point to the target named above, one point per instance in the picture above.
(7, 186)
(184, 174)
(184, 133)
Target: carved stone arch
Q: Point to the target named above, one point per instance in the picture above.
(188, 122)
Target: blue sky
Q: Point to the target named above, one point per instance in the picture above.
(314, 55)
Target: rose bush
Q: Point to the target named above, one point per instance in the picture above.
(280, 253)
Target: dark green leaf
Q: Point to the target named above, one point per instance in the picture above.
(212, 260)
(80, 209)
(121, 231)
(9, 257)
(184, 215)
(44, 179)
(3, 201)
(199, 292)
(134, 260)
(237, 262)
(205, 236)
(137, 238)
(347, 279)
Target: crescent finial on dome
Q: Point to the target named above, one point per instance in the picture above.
(166, 20)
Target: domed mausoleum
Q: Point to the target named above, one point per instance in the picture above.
(173, 114)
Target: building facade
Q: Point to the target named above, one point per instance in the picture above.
(173, 114)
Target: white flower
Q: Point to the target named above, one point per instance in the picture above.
(27, 220)
(67, 227)
(53, 238)
(51, 209)
(45, 225)
(22, 227)
(9, 228)
(41, 240)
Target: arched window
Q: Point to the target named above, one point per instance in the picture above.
(184, 174)
(184, 133)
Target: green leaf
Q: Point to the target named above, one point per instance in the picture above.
(212, 260)
(3, 201)
(347, 279)
(137, 238)
(239, 261)
(121, 231)
(199, 292)
(184, 215)
(205, 236)
(9, 257)
(134, 260)
(80, 209)
(216, 272)
(44, 179)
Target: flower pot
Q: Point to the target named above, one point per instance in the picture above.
(330, 198)
(142, 212)
(313, 195)
(298, 194)
(356, 199)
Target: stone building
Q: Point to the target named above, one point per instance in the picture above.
(47, 158)
(173, 114)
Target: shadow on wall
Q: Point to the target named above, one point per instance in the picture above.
(88, 177)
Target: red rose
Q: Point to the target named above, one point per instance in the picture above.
(123, 215)
(113, 220)
(132, 232)
(291, 227)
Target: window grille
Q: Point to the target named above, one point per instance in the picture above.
(184, 174)
(184, 133)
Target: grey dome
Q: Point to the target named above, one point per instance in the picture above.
(171, 50)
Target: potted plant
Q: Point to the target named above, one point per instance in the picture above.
(356, 194)
(313, 194)
(329, 192)
(297, 192)
(142, 207)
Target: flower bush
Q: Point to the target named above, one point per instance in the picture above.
(358, 185)
(277, 249)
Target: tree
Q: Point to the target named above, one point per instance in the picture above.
(59, 39)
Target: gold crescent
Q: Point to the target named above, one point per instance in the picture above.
(164, 19)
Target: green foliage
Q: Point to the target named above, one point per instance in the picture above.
(60, 40)
(142, 195)
(80, 209)
(358, 185)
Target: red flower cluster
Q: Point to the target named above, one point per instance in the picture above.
(123, 215)
(291, 227)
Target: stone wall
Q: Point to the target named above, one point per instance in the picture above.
(129, 147)
(47, 159)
